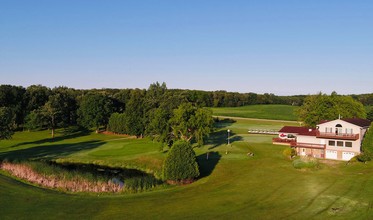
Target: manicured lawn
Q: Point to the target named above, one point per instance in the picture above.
(232, 185)
(276, 112)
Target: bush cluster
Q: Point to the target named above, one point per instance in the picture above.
(289, 152)
(180, 163)
(138, 184)
(305, 162)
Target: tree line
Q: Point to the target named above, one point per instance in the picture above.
(159, 112)
(38, 106)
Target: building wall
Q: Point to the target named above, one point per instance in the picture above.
(309, 139)
(345, 125)
(355, 145)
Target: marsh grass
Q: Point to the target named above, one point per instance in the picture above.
(80, 178)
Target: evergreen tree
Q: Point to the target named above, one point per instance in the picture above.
(180, 163)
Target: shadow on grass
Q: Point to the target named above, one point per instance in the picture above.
(223, 123)
(48, 152)
(221, 137)
(206, 166)
(67, 134)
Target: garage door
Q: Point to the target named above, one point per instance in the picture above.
(347, 155)
(331, 154)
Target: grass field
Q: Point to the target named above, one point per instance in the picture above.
(276, 112)
(232, 185)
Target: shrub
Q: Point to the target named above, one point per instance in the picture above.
(305, 162)
(367, 146)
(180, 163)
(289, 152)
(363, 157)
(138, 184)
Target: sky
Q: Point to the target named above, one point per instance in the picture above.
(279, 46)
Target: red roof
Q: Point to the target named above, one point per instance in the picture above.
(298, 130)
(293, 129)
(309, 132)
(358, 121)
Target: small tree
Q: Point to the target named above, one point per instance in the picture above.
(180, 164)
(289, 152)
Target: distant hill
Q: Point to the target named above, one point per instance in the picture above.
(275, 112)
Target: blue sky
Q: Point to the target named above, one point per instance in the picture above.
(281, 47)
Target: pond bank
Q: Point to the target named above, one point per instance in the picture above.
(80, 178)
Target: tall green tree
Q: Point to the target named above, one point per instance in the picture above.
(135, 113)
(52, 112)
(158, 127)
(35, 120)
(67, 104)
(6, 123)
(190, 122)
(13, 98)
(95, 110)
(204, 123)
(36, 96)
(324, 107)
(370, 115)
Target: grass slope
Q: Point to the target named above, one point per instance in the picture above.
(233, 185)
(275, 112)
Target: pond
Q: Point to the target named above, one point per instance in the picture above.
(129, 179)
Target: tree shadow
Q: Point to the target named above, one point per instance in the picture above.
(48, 152)
(235, 138)
(206, 166)
(223, 123)
(221, 137)
(67, 134)
(217, 138)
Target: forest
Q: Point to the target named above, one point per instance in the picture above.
(158, 112)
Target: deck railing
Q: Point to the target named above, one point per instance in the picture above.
(283, 141)
(332, 135)
(308, 145)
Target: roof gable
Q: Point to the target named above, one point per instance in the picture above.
(358, 121)
(355, 121)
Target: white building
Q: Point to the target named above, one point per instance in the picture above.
(338, 139)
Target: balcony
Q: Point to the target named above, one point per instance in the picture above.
(342, 136)
(281, 141)
(308, 145)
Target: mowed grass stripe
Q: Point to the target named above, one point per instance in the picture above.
(275, 112)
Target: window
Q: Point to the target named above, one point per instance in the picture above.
(331, 143)
(340, 143)
(348, 144)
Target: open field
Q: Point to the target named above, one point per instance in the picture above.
(232, 185)
(276, 112)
